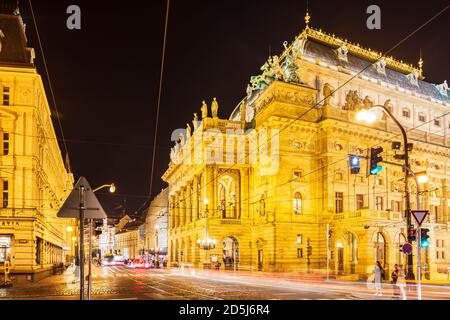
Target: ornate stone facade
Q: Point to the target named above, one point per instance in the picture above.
(278, 221)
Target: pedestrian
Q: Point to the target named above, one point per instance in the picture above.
(379, 271)
(394, 276)
(401, 282)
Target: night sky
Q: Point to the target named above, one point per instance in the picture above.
(106, 75)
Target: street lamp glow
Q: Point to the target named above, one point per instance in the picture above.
(69, 229)
(367, 116)
(112, 188)
(74, 238)
(206, 201)
(422, 177)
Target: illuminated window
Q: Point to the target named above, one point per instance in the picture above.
(406, 113)
(5, 144)
(5, 249)
(339, 198)
(297, 203)
(422, 117)
(297, 174)
(359, 201)
(6, 96)
(299, 239)
(379, 203)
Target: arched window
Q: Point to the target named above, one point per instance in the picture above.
(297, 203)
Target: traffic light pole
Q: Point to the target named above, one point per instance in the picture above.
(407, 169)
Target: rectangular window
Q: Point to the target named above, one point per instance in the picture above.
(297, 174)
(379, 203)
(379, 182)
(437, 255)
(339, 202)
(5, 249)
(396, 206)
(437, 122)
(437, 243)
(6, 96)
(299, 239)
(406, 113)
(299, 253)
(5, 193)
(443, 254)
(359, 201)
(422, 117)
(5, 144)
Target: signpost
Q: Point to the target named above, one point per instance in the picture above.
(407, 248)
(419, 216)
(82, 204)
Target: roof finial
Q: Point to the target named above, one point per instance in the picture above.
(307, 17)
(420, 63)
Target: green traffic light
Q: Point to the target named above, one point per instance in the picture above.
(376, 170)
(425, 243)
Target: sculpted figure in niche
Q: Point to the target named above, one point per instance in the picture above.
(188, 131)
(327, 94)
(368, 103)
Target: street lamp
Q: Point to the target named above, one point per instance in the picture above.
(112, 189)
(156, 245)
(370, 117)
(206, 243)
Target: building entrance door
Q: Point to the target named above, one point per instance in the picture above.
(340, 260)
(260, 260)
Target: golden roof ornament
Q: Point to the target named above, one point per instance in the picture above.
(307, 18)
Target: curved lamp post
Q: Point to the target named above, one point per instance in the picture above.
(112, 189)
(370, 117)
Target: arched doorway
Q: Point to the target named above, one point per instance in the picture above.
(230, 253)
(380, 249)
(347, 253)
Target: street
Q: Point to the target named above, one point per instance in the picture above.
(120, 283)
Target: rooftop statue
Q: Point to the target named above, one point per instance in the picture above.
(290, 67)
(188, 131)
(195, 121)
(352, 101)
(214, 108)
(368, 103)
(182, 139)
(204, 110)
(442, 88)
(271, 71)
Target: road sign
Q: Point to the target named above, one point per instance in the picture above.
(407, 248)
(71, 207)
(420, 215)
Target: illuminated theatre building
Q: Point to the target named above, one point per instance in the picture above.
(34, 181)
(272, 212)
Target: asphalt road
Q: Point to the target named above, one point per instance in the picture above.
(120, 283)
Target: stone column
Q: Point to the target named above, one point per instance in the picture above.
(177, 210)
(195, 200)
(189, 203)
(183, 207)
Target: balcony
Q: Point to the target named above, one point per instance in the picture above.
(368, 214)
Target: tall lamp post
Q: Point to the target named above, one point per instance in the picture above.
(369, 117)
(157, 247)
(207, 243)
(112, 189)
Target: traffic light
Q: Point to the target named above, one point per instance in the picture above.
(375, 159)
(355, 164)
(411, 235)
(424, 238)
